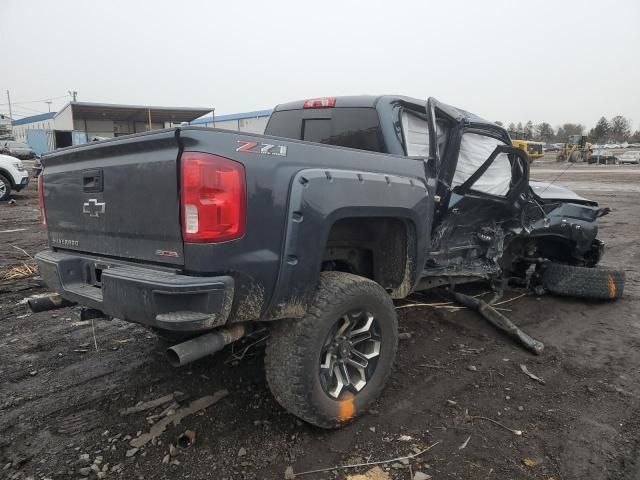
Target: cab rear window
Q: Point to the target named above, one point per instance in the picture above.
(346, 127)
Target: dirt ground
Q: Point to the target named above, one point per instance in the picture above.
(61, 399)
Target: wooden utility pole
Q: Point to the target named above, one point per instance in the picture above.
(149, 111)
(10, 113)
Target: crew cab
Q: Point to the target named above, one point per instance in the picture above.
(312, 229)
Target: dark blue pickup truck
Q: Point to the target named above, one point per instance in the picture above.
(311, 229)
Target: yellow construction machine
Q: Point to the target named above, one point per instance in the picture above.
(531, 148)
(577, 149)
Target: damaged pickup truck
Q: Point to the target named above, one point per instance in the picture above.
(311, 229)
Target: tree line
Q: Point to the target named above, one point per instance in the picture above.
(616, 130)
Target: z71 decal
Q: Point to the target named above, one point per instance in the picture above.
(262, 148)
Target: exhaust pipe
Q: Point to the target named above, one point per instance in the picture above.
(207, 344)
(48, 302)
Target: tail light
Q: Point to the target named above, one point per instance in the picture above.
(43, 217)
(326, 102)
(213, 198)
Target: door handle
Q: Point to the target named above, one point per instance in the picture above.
(92, 181)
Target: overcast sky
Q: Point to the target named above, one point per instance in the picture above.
(555, 61)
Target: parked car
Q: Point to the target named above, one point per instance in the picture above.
(602, 157)
(311, 230)
(16, 149)
(630, 158)
(13, 176)
(550, 147)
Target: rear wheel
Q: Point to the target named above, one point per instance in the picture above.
(5, 188)
(330, 366)
(596, 283)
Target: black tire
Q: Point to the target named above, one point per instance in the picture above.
(296, 349)
(5, 188)
(595, 283)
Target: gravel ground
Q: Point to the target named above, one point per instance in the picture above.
(61, 399)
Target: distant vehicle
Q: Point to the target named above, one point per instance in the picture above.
(532, 149)
(629, 158)
(550, 147)
(16, 149)
(577, 149)
(601, 157)
(13, 175)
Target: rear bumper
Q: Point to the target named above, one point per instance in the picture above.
(154, 297)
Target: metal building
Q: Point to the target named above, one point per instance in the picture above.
(254, 122)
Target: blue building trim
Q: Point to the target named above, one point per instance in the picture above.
(233, 116)
(33, 119)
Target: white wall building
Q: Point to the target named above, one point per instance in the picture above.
(43, 121)
(253, 122)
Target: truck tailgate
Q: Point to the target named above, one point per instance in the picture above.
(117, 198)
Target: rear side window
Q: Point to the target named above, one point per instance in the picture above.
(347, 127)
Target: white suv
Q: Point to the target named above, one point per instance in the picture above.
(13, 175)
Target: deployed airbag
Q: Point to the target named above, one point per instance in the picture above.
(474, 151)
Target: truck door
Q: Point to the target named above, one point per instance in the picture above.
(487, 189)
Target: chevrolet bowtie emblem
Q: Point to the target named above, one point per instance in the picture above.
(93, 207)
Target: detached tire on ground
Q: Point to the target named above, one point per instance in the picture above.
(5, 188)
(330, 366)
(596, 283)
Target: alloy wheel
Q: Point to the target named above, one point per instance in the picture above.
(350, 354)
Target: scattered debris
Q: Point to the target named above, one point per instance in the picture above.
(236, 357)
(366, 464)
(404, 336)
(141, 407)
(132, 451)
(526, 371)
(186, 439)
(242, 452)
(81, 323)
(472, 368)
(465, 443)
(376, 473)
(427, 365)
(405, 438)
(531, 462)
(495, 422)
(499, 321)
(421, 476)
(195, 406)
(18, 271)
(288, 473)
(452, 403)
(93, 329)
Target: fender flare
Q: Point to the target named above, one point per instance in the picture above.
(5, 173)
(320, 197)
